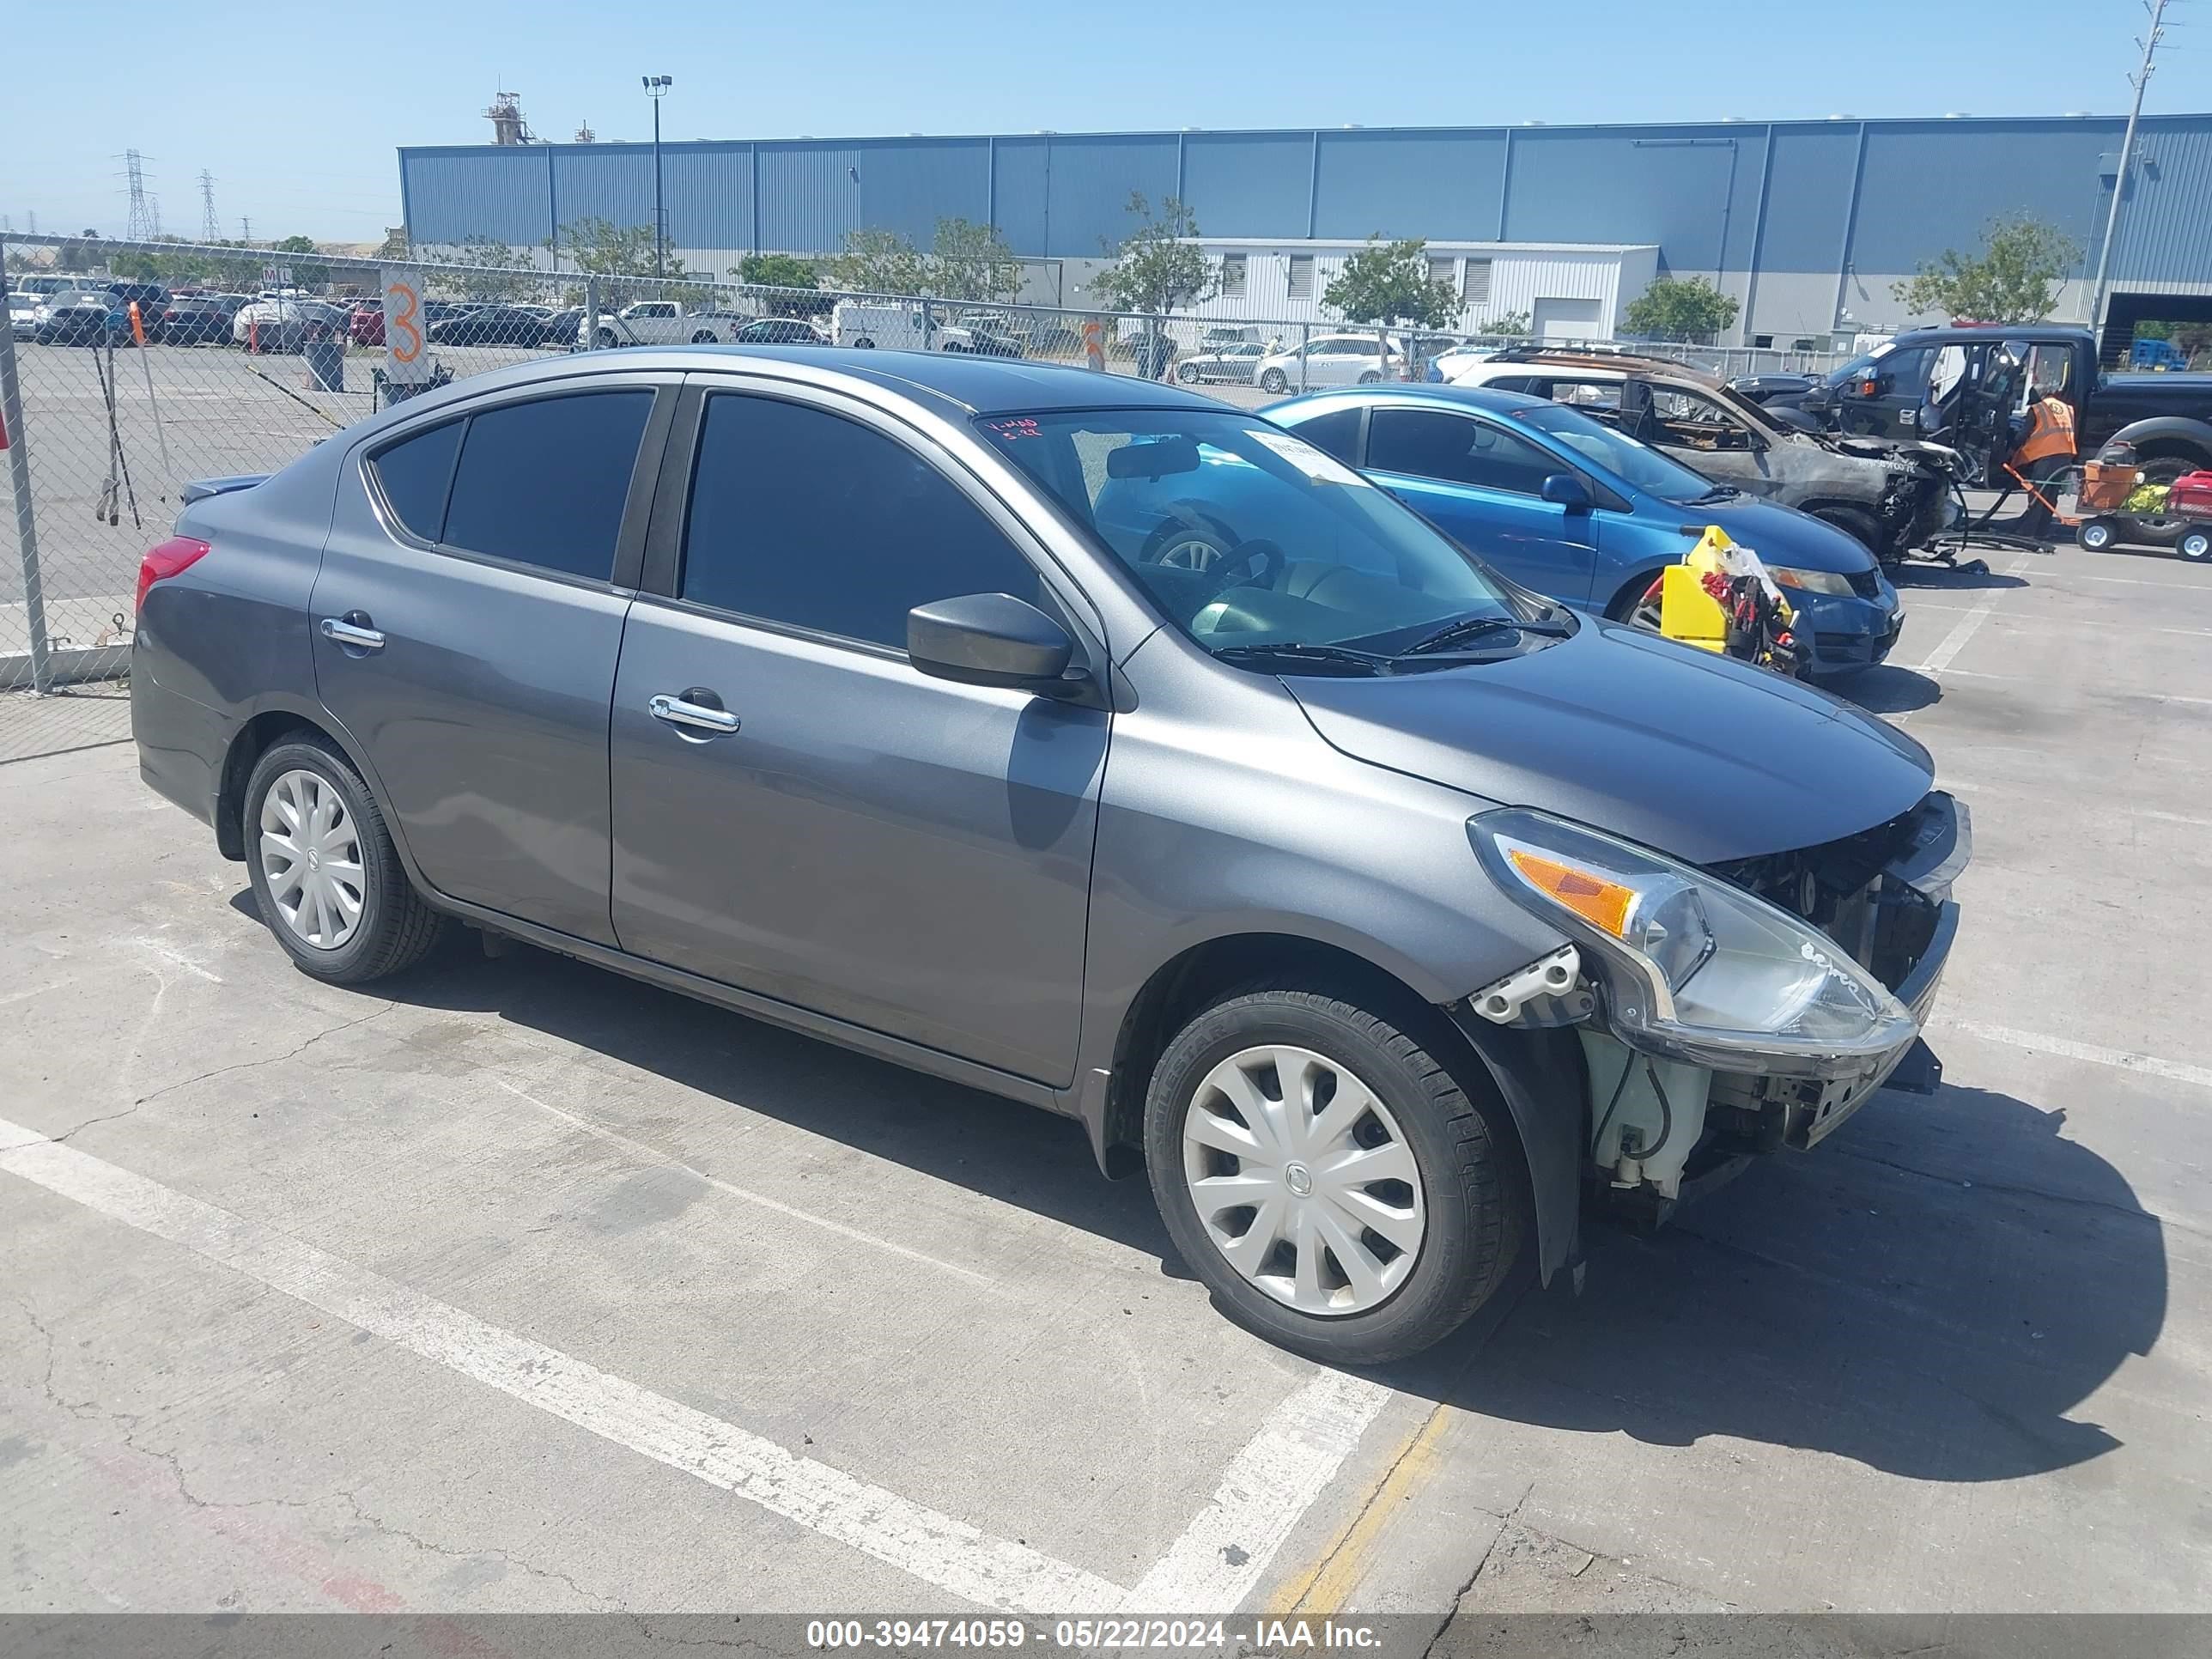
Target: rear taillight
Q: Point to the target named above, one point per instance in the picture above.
(177, 554)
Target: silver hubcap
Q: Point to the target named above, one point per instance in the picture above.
(311, 858)
(1303, 1181)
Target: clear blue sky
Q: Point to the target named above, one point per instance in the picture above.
(299, 129)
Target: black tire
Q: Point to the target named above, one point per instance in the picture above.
(1186, 373)
(704, 337)
(606, 339)
(1476, 1202)
(1861, 527)
(396, 928)
(863, 343)
(1635, 604)
(1274, 381)
(1371, 378)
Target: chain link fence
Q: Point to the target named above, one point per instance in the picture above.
(238, 360)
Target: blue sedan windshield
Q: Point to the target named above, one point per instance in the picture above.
(1636, 464)
(1244, 534)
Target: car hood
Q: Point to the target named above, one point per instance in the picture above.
(1692, 753)
(1782, 535)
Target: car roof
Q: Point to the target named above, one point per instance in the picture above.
(1421, 392)
(958, 384)
(1966, 333)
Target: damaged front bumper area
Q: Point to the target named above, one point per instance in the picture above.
(1884, 896)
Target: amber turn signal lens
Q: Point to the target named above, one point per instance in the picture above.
(1603, 904)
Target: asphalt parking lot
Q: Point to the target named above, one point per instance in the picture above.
(526, 1288)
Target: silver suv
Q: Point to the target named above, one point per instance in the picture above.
(1081, 739)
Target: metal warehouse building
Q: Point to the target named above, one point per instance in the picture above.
(1806, 222)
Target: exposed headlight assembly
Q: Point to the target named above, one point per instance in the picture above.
(1694, 968)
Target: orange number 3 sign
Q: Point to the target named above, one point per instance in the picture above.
(403, 322)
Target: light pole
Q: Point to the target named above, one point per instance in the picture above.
(2142, 79)
(656, 87)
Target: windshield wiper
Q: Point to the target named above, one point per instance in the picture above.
(1718, 493)
(1468, 627)
(1299, 651)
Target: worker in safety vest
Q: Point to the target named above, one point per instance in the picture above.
(2046, 448)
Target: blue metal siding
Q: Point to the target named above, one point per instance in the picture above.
(1926, 186)
(1248, 184)
(455, 195)
(1671, 186)
(707, 189)
(1443, 186)
(1808, 196)
(1934, 185)
(1087, 195)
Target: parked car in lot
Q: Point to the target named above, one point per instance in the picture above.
(889, 326)
(783, 330)
(1413, 913)
(364, 322)
(44, 287)
(22, 315)
(151, 299)
(1230, 365)
(284, 325)
(80, 317)
(1580, 512)
(564, 327)
(1892, 496)
(489, 326)
(665, 322)
(200, 319)
(1329, 360)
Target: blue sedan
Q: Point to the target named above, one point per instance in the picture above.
(1567, 505)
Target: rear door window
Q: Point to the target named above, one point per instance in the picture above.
(415, 475)
(1337, 432)
(545, 482)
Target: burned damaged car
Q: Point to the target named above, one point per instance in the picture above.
(1893, 496)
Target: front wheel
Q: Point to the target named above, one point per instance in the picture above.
(1274, 381)
(1186, 373)
(2195, 546)
(606, 339)
(1327, 1177)
(2095, 536)
(1371, 378)
(325, 876)
(863, 343)
(704, 337)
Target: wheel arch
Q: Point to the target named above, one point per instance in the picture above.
(1539, 1074)
(268, 726)
(2162, 437)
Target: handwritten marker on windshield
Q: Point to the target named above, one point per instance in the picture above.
(161, 438)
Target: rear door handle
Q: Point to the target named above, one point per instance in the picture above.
(691, 716)
(352, 634)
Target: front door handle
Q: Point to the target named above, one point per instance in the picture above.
(352, 634)
(691, 716)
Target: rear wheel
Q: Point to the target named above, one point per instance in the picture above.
(1276, 381)
(1370, 378)
(1327, 1177)
(325, 876)
(704, 337)
(865, 344)
(606, 339)
(1186, 373)
(1861, 527)
(2096, 536)
(2195, 546)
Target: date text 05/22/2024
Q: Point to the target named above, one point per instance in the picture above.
(1092, 1635)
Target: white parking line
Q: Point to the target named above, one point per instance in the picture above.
(2066, 1049)
(936, 1548)
(1962, 630)
(1223, 1554)
(2039, 679)
(2136, 581)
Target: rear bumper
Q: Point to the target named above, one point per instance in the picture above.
(181, 743)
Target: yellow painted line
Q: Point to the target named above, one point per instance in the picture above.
(1323, 1586)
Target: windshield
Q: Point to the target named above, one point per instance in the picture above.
(1638, 465)
(1859, 368)
(1245, 535)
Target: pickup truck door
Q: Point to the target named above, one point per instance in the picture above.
(798, 810)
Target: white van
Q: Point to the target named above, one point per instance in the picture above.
(886, 323)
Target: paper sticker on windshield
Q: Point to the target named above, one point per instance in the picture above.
(1316, 463)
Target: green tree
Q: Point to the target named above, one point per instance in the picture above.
(601, 248)
(1388, 284)
(1681, 308)
(1158, 265)
(878, 262)
(2014, 278)
(798, 278)
(969, 261)
(490, 274)
(1510, 325)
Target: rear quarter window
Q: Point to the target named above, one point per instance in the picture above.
(414, 476)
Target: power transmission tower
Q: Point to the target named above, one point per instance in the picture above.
(246, 231)
(210, 227)
(142, 223)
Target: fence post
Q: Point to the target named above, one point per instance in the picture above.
(1305, 345)
(26, 518)
(592, 312)
(928, 325)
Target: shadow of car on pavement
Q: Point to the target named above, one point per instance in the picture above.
(1930, 1292)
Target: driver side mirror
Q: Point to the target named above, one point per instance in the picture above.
(1567, 490)
(991, 639)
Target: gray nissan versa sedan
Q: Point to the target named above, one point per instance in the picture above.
(1389, 914)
